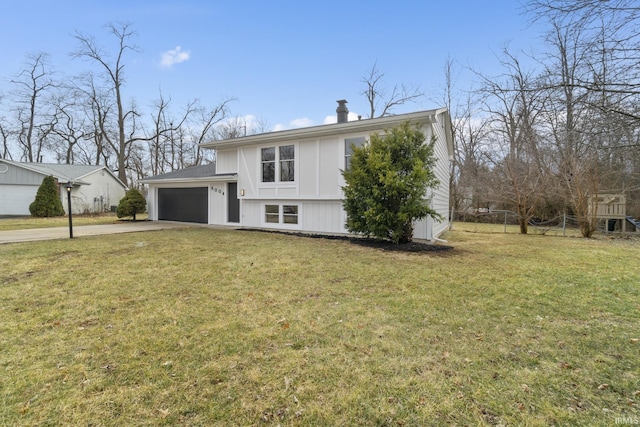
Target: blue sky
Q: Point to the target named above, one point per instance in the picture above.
(285, 62)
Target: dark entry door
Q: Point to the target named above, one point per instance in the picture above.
(233, 214)
(183, 204)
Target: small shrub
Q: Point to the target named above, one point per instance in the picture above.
(131, 204)
(47, 202)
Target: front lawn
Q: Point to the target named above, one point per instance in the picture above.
(27, 222)
(209, 327)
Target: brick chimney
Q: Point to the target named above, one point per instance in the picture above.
(342, 111)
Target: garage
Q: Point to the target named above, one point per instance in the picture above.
(183, 204)
(15, 199)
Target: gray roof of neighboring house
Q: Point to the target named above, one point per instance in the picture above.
(193, 172)
(72, 172)
(63, 172)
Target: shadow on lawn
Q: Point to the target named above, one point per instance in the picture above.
(384, 245)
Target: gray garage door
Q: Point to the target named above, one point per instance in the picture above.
(183, 204)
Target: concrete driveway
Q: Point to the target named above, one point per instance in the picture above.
(34, 234)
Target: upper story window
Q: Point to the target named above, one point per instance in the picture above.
(349, 143)
(284, 158)
(268, 164)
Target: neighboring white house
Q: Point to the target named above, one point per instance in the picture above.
(291, 180)
(95, 188)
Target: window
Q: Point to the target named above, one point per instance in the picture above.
(288, 215)
(286, 163)
(285, 157)
(272, 214)
(349, 143)
(268, 164)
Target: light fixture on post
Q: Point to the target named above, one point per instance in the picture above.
(69, 186)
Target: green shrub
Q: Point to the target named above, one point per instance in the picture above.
(387, 182)
(131, 204)
(47, 202)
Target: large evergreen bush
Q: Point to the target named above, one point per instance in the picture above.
(47, 202)
(131, 204)
(386, 184)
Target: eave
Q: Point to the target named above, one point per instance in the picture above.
(204, 179)
(367, 125)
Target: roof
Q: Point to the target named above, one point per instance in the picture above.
(193, 173)
(329, 130)
(63, 172)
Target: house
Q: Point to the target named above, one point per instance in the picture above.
(95, 188)
(291, 180)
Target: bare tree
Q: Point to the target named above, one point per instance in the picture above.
(569, 116)
(97, 107)
(175, 141)
(515, 102)
(68, 127)
(381, 101)
(113, 71)
(238, 126)
(33, 86)
(4, 134)
(469, 177)
(609, 42)
(159, 144)
(203, 127)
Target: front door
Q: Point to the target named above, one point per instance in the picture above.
(233, 204)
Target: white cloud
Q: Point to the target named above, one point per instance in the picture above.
(304, 122)
(330, 119)
(174, 56)
(301, 122)
(334, 119)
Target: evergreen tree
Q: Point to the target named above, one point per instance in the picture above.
(386, 184)
(131, 204)
(47, 202)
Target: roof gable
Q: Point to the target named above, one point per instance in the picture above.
(63, 172)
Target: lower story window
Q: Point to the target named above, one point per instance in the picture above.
(287, 215)
(290, 214)
(272, 213)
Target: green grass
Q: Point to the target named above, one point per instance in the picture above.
(22, 223)
(218, 327)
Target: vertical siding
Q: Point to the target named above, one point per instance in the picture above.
(322, 217)
(440, 196)
(227, 161)
(329, 170)
(250, 212)
(218, 203)
(308, 167)
(152, 202)
(102, 192)
(248, 169)
(10, 174)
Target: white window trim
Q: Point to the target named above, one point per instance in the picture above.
(277, 182)
(280, 223)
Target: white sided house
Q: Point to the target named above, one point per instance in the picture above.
(292, 180)
(94, 189)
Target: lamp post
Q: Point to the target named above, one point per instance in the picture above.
(69, 186)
